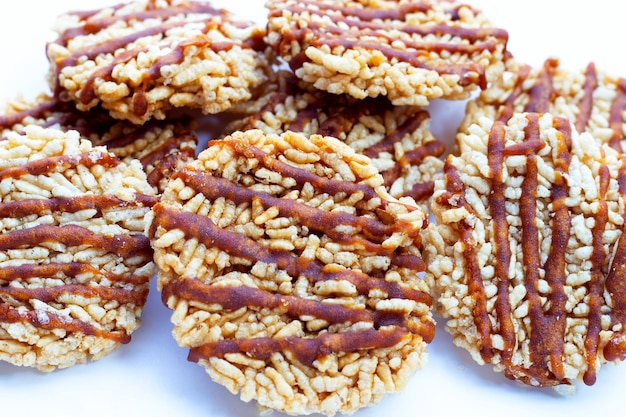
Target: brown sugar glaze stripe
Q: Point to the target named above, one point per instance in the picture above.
(238, 245)
(40, 206)
(324, 185)
(52, 294)
(91, 24)
(455, 197)
(126, 246)
(315, 219)
(497, 208)
(305, 350)
(61, 162)
(616, 120)
(340, 120)
(68, 270)
(233, 298)
(595, 285)
(51, 321)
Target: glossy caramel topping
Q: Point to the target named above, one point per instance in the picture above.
(301, 176)
(615, 286)
(51, 294)
(235, 297)
(497, 209)
(547, 318)
(455, 193)
(7, 121)
(585, 106)
(616, 121)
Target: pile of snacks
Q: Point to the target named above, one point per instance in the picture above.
(307, 249)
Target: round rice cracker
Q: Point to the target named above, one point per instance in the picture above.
(292, 275)
(142, 59)
(410, 51)
(525, 259)
(75, 263)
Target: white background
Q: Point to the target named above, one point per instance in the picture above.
(151, 376)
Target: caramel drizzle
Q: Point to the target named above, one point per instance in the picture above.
(497, 206)
(341, 120)
(57, 163)
(233, 298)
(183, 145)
(140, 103)
(392, 327)
(455, 197)
(315, 219)
(126, 246)
(51, 294)
(585, 106)
(367, 25)
(95, 25)
(241, 246)
(616, 121)
(22, 208)
(615, 286)
(547, 327)
(70, 270)
(413, 157)
(9, 120)
(542, 93)
(305, 350)
(595, 285)
(507, 110)
(176, 55)
(51, 321)
(363, 14)
(301, 176)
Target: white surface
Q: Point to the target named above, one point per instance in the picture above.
(151, 376)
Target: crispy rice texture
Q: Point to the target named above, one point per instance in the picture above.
(292, 275)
